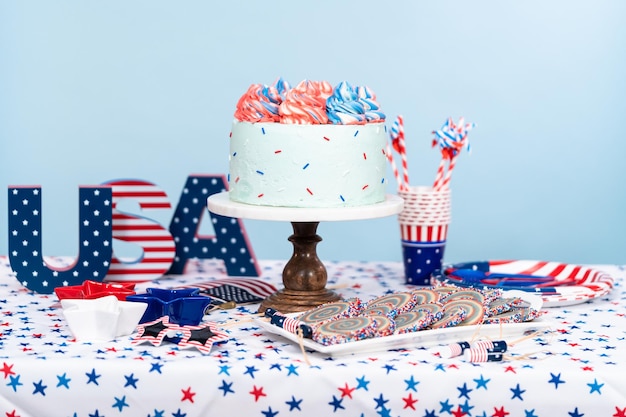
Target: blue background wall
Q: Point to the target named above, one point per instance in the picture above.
(94, 91)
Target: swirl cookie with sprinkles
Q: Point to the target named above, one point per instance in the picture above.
(474, 309)
(515, 315)
(466, 294)
(344, 330)
(499, 306)
(445, 291)
(451, 317)
(413, 321)
(331, 311)
(491, 295)
(435, 309)
(384, 325)
(401, 301)
(382, 309)
(425, 295)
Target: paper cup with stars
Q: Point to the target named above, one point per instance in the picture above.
(424, 223)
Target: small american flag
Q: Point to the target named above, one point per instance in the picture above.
(238, 290)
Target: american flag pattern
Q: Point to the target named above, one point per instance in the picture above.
(580, 283)
(422, 250)
(588, 282)
(156, 241)
(239, 290)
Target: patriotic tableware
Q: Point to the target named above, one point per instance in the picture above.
(423, 338)
(183, 306)
(558, 284)
(424, 222)
(101, 319)
(93, 289)
(202, 336)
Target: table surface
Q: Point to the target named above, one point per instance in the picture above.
(574, 370)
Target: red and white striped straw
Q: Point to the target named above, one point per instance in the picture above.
(451, 138)
(394, 168)
(396, 134)
(446, 180)
(402, 143)
(440, 175)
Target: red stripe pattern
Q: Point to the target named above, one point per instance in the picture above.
(155, 241)
(585, 283)
(413, 233)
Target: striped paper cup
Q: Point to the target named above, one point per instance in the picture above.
(424, 223)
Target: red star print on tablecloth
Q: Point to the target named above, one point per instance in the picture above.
(500, 412)
(257, 392)
(409, 402)
(7, 370)
(620, 413)
(346, 391)
(188, 395)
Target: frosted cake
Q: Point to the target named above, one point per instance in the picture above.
(308, 146)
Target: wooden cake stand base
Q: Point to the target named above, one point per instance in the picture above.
(304, 275)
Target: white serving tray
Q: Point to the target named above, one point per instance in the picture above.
(422, 338)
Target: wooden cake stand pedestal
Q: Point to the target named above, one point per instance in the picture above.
(304, 275)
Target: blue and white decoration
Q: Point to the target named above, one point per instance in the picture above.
(101, 222)
(421, 259)
(25, 239)
(229, 243)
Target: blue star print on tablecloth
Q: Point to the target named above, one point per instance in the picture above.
(571, 371)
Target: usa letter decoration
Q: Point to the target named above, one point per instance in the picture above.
(95, 231)
(229, 243)
(102, 221)
(155, 240)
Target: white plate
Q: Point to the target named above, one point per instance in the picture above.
(422, 338)
(587, 283)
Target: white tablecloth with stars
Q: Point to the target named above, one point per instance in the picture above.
(575, 371)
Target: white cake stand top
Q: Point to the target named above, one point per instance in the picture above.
(221, 204)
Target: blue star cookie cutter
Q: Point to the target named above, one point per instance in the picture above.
(183, 306)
